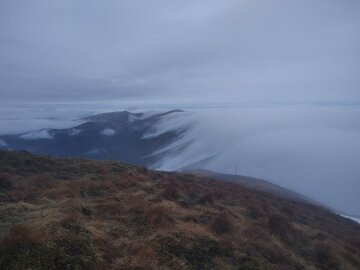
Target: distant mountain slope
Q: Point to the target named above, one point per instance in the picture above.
(356, 219)
(85, 214)
(115, 135)
(257, 184)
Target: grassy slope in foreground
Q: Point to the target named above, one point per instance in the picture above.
(84, 214)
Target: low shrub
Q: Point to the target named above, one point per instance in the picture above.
(278, 225)
(74, 248)
(222, 224)
(254, 212)
(143, 170)
(195, 252)
(6, 181)
(170, 193)
(41, 181)
(206, 199)
(249, 263)
(159, 217)
(325, 255)
(68, 246)
(25, 248)
(86, 210)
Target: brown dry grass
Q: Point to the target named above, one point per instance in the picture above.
(108, 215)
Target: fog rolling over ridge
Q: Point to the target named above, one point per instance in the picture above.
(313, 150)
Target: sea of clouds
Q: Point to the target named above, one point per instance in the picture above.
(314, 150)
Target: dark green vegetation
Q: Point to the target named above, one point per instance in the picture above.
(84, 214)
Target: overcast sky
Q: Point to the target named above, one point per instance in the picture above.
(205, 51)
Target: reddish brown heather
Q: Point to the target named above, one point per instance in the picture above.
(85, 214)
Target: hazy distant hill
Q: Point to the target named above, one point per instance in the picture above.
(255, 183)
(115, 135)
(86, 214)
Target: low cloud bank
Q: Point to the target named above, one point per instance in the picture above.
(18, 119)
(108, 132)
(356, 219)
(313, 150)
(38, 134)
(3, 143)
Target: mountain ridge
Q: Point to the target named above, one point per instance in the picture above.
(257, 184)
(115, 135)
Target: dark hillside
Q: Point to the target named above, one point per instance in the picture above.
(85, 214)
(257, 184)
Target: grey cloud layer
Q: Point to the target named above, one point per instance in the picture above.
(313, 150)
(251, 51)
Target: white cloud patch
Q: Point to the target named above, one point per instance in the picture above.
(108, 132)
(3, 143)
(74, 132)
(133, 118)
(20, 118)
(37, 134)
(356, 219)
